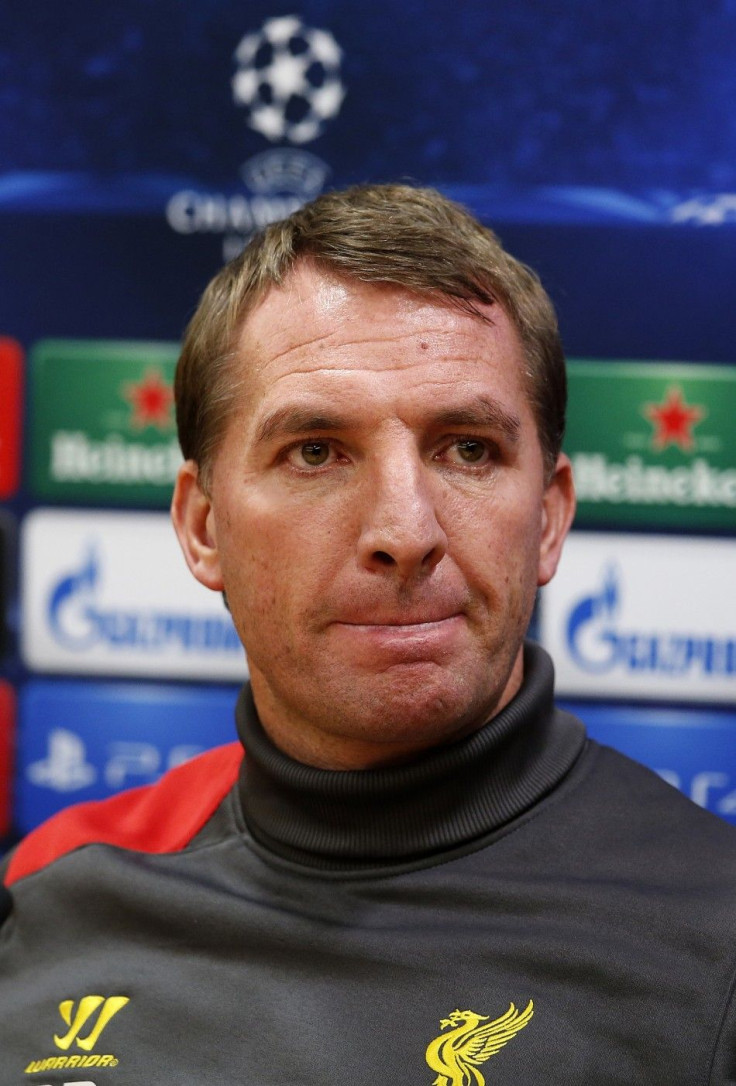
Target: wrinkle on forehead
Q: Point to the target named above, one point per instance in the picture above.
(373, 346)
(325, 328)
(308, 354)
(328, 304)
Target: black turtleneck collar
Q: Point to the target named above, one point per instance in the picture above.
(446, 798)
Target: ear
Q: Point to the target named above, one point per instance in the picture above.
(193, 517)
(557, 516)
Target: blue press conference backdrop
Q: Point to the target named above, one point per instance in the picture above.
(83, 741)
(691, 749)
(600, 139)
(142, 142)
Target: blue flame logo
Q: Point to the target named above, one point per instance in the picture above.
(71, 610)
(590, 636)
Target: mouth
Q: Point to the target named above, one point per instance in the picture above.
(407, 618)
(402, 623)
(395, 639)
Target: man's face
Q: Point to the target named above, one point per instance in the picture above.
(378, 517)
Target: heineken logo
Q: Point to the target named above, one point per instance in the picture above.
(673, 420)
(653, 444)
(76, 459)
(151, 400)
(103, 421)
(598, 479)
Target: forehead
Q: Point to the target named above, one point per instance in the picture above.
(321, 331)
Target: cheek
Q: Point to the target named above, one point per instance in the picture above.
(271, 564)
(501, 536)
(258, 601)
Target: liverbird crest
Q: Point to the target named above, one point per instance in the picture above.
(472, 1039)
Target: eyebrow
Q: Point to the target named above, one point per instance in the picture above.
(290, 420)
(482, 413)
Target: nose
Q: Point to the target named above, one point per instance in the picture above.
(401, 531)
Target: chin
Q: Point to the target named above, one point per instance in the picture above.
(418, 714)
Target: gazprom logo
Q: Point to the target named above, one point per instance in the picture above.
(79, 622)
(590, 633)
(71, 605)
(598, 644)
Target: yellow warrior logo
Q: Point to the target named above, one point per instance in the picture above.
(472, 1039)
(77, 1019)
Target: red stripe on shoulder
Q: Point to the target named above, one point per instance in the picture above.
(161, 817)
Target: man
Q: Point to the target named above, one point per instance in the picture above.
(420, 872)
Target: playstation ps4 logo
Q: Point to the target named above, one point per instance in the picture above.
(599, 643)
(79, 623)
(65, 767)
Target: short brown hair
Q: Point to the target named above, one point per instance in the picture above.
(396, 234)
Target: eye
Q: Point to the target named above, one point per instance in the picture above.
(313, 453)
(468, 451)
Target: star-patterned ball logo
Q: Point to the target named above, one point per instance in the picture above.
(288, 79)
(673, 420)
(150, 399)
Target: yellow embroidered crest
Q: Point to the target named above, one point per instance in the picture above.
(76, 1020)
(472, 1039)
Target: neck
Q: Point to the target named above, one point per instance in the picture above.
(446, 798)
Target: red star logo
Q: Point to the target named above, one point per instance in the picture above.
(673, 420)
(151, 399)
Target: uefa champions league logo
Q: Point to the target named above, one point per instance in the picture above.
(288, 80)
(289, 85)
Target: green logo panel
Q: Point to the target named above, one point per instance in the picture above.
(653, 444)
(102, 426)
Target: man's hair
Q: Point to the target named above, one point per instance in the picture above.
(408, 237)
